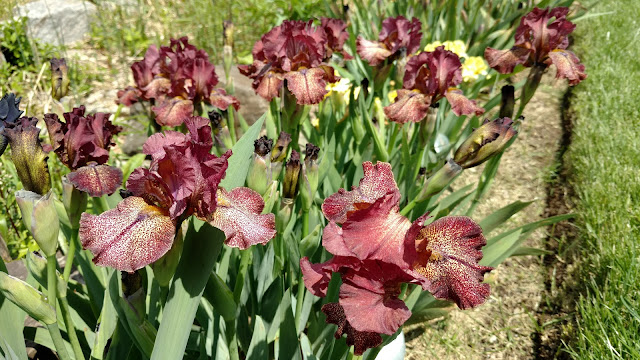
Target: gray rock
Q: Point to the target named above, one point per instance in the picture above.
(57, 22)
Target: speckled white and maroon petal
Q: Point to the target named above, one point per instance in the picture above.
(410, 106)
(449, 251)
(461, 105)
(307, 85)
(377, 181)
(373, 52)
(238, 215)
(127, 238)
(97, 180)
(568, 66)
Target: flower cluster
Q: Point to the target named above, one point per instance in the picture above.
(182, 180)
(398, 37)
(541, 41)
(430, 76)
(174, 79)
(82, 143)
(377, 249)
(296, 51)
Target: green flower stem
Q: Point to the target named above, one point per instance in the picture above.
(54, 331)
(52, 299)
(407, 209)
(100, 204)
(71, 330)
(300, 295)
(71, 253)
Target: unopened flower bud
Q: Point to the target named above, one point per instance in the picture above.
(484, 142)
(26, 298)
(227, 45)
(507, 101)
(75, 202)
(40, 217)
(309, 184)
(9, 113)
(440, 180)
(280, 149)
(27, 155)
(59, 78)
(428, 124)
(259, 177)
(291, 175)
(216, 121)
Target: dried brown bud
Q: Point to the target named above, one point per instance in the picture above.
(59, 78)
(262, 146)
(291, 175)
(280, 149)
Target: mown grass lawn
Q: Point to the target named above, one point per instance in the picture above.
(604, 159)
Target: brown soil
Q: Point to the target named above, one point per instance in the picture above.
(507, 325)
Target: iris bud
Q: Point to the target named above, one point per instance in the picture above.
(259, 176)
(507, 101)
(279, 153)
(291, 175)
(59, 78)
(26, 298)
(40, 217)
(27, 155)
(484, 142)
(227, 49)
(309, 176)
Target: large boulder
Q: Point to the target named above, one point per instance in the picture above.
(57, 22)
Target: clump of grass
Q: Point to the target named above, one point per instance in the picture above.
(605, 164)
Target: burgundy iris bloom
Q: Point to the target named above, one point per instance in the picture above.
(181, 181)
(399, 37)
(541, 39)
(296, 51)
(174, 79)
(82, 143)
(376, 249)
(428, 77)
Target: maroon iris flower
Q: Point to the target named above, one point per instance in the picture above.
(541, 41)
(296, 51)
(82, 143)
(182, 181)
(429, 77)
(376, 249)
(174, 79)
(399, 37)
